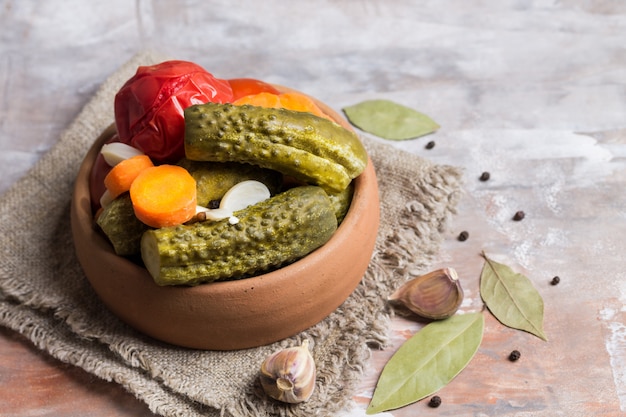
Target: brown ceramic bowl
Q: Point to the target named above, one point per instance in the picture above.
(231, 314)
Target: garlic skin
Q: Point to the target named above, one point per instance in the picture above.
(289, 374)
(436, 295)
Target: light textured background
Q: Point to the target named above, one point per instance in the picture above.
(532, 91)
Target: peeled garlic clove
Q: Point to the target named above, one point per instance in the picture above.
(244, 194)
(116, 152)
(436, 295)
(289, 374)
(214, 214)
(238, 197)
(106, 198)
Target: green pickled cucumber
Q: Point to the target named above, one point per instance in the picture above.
(269, 234)
(341, 202)
(309, 148)
(213, 179)
(119, 223)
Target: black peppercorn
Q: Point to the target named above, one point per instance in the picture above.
(555, 280)
(430, 144)
(515, 355)
(519, 215)
(463, 236)
(213, 204)
(484, 176)
(435, 401)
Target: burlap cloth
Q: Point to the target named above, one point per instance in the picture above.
(45, 296)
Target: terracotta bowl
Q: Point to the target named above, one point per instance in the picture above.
(232, 314)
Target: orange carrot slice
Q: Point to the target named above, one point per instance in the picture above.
(122, 175)
(291, 101)
(164, 195)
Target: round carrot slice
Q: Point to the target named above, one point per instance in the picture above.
(122, 175)
(164, 195)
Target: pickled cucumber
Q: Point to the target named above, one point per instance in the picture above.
(213, 179)
(269, 234)
(309, 148)
(341, 202)
(121, 226)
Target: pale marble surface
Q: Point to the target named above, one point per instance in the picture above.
(532, 91)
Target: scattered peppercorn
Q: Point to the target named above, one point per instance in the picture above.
(484, 176)
(435, 401)
(515, 355)
(519, 215)
(430, 144)
(463, 236)
(555, 280)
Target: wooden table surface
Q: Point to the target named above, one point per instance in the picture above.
(532, 91)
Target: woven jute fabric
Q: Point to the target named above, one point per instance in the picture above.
(45, 296)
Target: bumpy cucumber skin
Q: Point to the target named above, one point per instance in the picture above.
(341, 202)
(119, 223)
(213, 179)
(309, 148)
(269, 234)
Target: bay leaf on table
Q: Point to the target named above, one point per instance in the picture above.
(511, 298)
(427, 361)
(390, 120)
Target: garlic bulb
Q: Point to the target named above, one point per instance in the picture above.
(289, 374)
(436, 295)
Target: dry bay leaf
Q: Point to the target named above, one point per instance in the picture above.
(511, 298)
(427, 361)
(390, 120)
